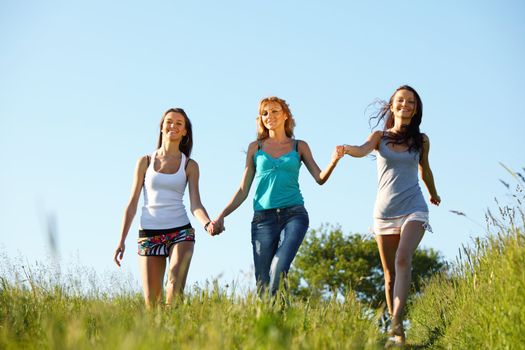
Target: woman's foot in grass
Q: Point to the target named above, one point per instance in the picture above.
(397, 332)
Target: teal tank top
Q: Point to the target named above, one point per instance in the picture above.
(277, 180)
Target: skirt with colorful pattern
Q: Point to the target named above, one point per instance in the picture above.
(160, 244)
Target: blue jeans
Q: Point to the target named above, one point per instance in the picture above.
(276, 237)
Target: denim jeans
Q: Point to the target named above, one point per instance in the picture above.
(276, 237)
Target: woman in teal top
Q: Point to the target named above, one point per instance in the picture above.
(273, 160)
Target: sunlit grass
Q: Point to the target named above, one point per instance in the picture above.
(478, 304)
(36, 313)
(481, 304)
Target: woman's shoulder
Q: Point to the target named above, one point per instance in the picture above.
(191, 166)
(377, 134)
(375, 138)
(300, 143)
(254, 146)
(144, 160)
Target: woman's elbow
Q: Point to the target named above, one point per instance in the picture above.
(426, 173)
(357, 154)
(427, 178)
(321, 181)
(131, 207)
(362, 152)
(194, 207)
(242, 193)
(194, 211)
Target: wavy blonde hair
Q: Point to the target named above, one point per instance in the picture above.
(289, 124)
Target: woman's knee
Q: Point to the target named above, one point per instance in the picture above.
(175, 273)
(403, 260)
(172, 275)
(182, 263)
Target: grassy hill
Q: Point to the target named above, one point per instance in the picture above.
(481, 305)
(35, 318)
(478, 304)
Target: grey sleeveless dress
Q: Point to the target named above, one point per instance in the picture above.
(398, 192)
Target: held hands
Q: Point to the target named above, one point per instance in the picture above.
(338, 153)
(216, 226)
(119, 253)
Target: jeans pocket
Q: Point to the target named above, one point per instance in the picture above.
(297, 210)
(257, 217)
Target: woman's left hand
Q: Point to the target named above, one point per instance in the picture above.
(435, 200)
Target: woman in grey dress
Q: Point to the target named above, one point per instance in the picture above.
(400, 212)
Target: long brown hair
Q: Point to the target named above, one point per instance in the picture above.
(412, 135)
(186, 144)
(289, 124)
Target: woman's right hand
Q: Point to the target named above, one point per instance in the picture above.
(119, 253)
(339, 153)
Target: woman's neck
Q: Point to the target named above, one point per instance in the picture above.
(170, 148)
(278, 136)
(400, 126)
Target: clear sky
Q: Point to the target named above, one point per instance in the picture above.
(83, 85)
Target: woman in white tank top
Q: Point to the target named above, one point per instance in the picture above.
(400, 213)
(165, 230)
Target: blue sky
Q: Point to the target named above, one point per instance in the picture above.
(84, 83)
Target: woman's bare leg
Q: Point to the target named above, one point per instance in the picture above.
(180, 258)
(152, 270)
(387, 245)
(411, 236)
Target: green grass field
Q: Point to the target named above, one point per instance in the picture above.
(478, 304)
(482, 304)
(209, 319)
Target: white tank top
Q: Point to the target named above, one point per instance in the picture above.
(163, 207)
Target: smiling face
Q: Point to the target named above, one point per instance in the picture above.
(274, 113)
(403, 104)
(173, 126)
(273, 116)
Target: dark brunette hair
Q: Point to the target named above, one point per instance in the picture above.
(412, 136)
